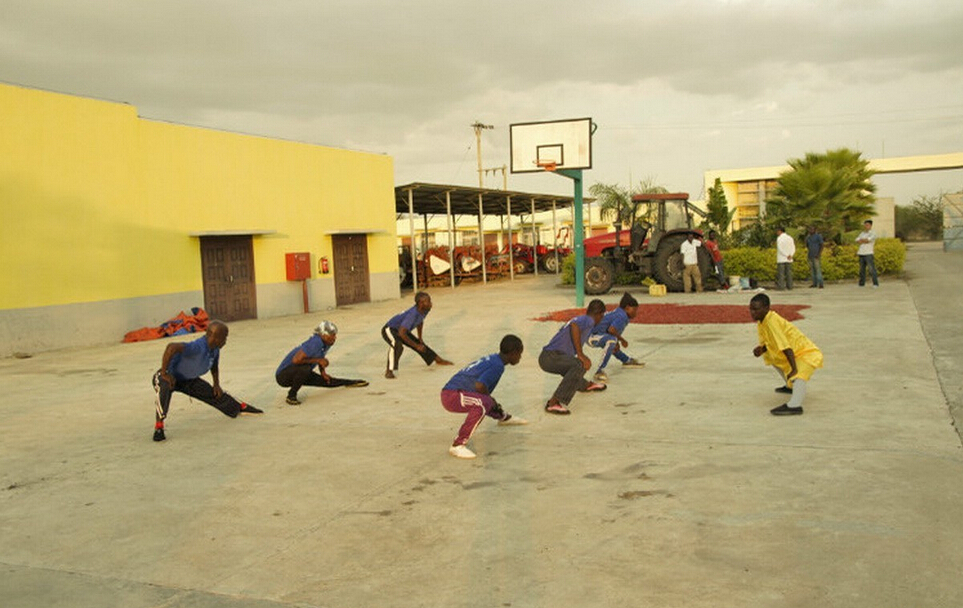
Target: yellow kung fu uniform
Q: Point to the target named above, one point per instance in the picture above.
(778, 334)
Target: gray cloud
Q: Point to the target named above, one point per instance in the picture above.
(407, 78)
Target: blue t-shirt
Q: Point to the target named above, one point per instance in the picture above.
(194, 361)
(814, 242)
(314, 347)
(562, 341)
(408, 319)
(487, 370)
(617, 318)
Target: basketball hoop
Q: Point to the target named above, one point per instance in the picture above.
(547, 165)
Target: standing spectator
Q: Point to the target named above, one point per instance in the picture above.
(690, 263)
(470, 392)
(712, 246)
(866, 240)
(297, 368)
(181, 369)
(785, 249)
(814, 248)
(563, 356)
(397, 332)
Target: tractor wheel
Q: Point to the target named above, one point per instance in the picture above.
(599, 276)
(668, 263)
(521, 266)
(550, 263)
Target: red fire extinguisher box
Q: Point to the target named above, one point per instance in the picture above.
(298, 266)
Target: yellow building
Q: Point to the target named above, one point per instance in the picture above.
(110, 222)
(748, 189)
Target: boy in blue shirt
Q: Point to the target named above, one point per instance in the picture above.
(397, 332)
(182, 366)
(469, 392)
(607, 334)
(297, 368)
(563, 356)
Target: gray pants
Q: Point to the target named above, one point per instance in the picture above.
(571, 370)
(784, 275)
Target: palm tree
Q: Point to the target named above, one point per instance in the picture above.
(615, 201)
(831, 191)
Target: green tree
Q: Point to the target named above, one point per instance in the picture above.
(718, 214)
(615, 201)
(832, 191)
(923, 220)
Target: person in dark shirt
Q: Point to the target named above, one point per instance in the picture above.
(398, 333)
(297, 368)
(469, 392)
(563, 356)
(181, 369)
(814, 249)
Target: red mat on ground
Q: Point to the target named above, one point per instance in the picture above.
(685, 314)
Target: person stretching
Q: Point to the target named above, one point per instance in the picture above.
(397, 333)
(607, 335)
(297, 368)
(469, 392)
(181, 369)
(785, 348)
(563, 356)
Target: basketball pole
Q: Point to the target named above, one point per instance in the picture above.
(576, 176)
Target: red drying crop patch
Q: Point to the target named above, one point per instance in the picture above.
(685, 314)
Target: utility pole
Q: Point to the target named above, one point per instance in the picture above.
(478, 126)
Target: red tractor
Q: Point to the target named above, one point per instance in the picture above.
(649, 248)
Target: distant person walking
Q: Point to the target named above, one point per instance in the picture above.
(690, 263)
(814, 249)
(785, 249)
(398, 333)
(867, 241)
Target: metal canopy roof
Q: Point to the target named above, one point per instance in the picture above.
(430, 199)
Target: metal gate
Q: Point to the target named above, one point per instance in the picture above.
(953, 222)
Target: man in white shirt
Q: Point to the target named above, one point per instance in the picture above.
(866, 240)
(785, 249)
(690, 263)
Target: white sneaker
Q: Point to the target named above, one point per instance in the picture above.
(460, 451)
(601, 377)
(512, 421)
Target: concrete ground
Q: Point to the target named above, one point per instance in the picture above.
(674, 488)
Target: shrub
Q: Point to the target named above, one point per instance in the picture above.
(568, 269)
(839, 261)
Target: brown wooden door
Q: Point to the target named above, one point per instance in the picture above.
(227, 263)
(352, 283)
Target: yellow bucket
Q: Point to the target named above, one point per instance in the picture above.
(656, 290)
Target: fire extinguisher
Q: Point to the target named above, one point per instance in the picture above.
(323, 264)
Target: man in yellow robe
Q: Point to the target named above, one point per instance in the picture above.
(787, 349)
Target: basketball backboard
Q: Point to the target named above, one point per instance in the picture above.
(564, 144)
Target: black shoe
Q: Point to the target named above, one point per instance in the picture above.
(159, 435)
(357, 384)
(292, 401)
(248, 409)
(785, 410)
(784, 390)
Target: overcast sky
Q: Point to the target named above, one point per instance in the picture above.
(676, 87)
